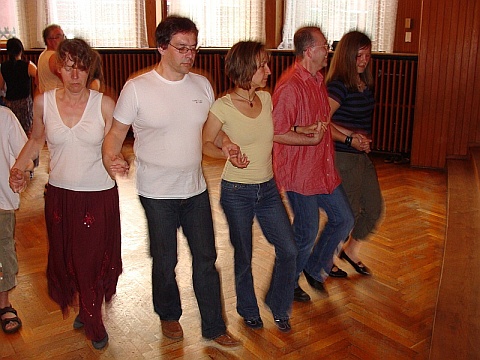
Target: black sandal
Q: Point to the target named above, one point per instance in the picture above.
(15, 319)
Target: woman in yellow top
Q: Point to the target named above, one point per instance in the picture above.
(248, 189)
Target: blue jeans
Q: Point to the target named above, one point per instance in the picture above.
(317, 259)
(241, 203)
(194, 215)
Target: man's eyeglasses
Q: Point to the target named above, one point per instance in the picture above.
(325, 46)
(57, 37)
(185, 49)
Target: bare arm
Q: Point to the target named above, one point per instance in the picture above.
(2, 82)
(118, 166)
(31, 150)
(52, 64)
(112, 146)
(339, 133)
(305, 135)
(212, 142)
(218, 145)
(32, 72)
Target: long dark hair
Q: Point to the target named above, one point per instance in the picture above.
(14, 48)
(344, 62)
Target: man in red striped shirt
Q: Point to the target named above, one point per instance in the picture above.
(303, 157)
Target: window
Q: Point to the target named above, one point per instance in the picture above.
(336, 17)
(102, 23)
(223, 23)
(8, 25)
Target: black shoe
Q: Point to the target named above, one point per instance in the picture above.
(300, 295)
(359, 267)
(77, 323)
(100, 344)
(314, 283)
(339, 273)
(283, 325)
(254, 323)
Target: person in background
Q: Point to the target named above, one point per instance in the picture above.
(48, 76)
(350, 94)
(167, 108)
(17, 74)
(12, 140)
(303, 158)
(245, 115)
(81, 206)
(97, 82)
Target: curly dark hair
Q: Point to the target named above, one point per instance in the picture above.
(80, 53)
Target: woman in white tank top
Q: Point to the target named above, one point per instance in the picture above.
(81, 204)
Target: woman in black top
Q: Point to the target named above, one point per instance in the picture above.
(16, 74)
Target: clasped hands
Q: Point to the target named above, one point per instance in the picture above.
(18, 180)
(118, 166)
(361, 142)
(313, 129)
(233, 154)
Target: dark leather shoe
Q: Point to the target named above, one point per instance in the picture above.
(338, 273)
(359, 267)
(317, 285)
(283, 325)
(254, 323)
(226, 341)
(300, 295)
(172, 329)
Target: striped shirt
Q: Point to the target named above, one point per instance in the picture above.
(355, 111)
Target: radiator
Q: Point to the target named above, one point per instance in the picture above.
(394, 74)
(395, 83)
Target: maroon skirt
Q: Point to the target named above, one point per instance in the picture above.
(84, 257)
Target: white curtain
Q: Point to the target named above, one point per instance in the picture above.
(102, 23)
(222, 23)
(336, 17)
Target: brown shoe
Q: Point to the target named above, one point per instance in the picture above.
(172, 329)
(226, 341)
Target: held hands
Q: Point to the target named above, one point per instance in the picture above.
(361, 142)
(234, 155)
(118, 166)
(310, 130)
(17, 180)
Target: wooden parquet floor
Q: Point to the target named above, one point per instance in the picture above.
(387, 316)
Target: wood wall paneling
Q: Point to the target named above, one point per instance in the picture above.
(448, 95)
(411, 9)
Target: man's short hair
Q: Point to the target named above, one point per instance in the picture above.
(303, 38)
(172, 25)
(48, 30)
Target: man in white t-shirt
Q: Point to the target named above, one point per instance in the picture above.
(12, 140)
(48, 76)
(167, 108)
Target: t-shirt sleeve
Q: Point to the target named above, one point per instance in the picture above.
(337, 91)
(127, 104)
(218, 109)
(17, 136)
